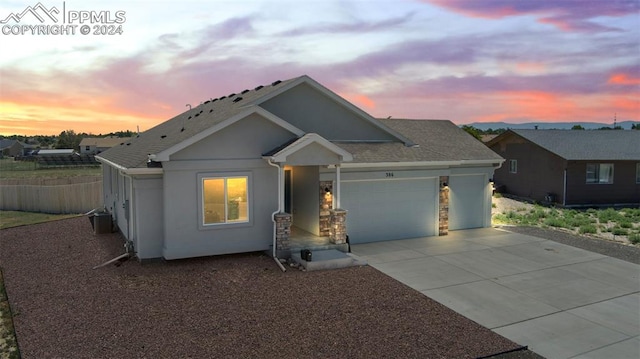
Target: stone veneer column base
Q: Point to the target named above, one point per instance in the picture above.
(443, 207)
(326, 202)
(283, 231)
(338, 233)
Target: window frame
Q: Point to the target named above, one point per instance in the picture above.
(638, 173)
(513, 166)
(597, 172)
(202, 225)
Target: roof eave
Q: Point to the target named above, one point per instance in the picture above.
(131, 171)
(458, 163)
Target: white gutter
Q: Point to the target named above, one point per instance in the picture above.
(132, 171)
(273, 215)
(421, 163)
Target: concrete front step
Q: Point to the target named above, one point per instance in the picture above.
(328, 259)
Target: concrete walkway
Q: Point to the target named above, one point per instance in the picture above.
(560, 301)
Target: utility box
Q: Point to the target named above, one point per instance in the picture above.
(101, 223)
(305, 254)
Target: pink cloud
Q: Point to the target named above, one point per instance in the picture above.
(567, 15)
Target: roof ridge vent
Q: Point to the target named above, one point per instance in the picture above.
(232, 94)
(237, 99)
(258, 88)
(222, 98)
(275, 83)
(244, 91)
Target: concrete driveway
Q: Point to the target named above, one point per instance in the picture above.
(560, 301)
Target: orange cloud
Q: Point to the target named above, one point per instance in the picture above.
(45, 119)
(623, 79)
(360, 100)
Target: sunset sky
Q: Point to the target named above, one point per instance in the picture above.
(463, 60)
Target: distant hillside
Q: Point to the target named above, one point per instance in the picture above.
(548, 125)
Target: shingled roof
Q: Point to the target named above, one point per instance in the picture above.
(418, 140)
(437, 140)
(585, 144)
(134, 152)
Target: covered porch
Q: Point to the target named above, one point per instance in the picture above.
(309, 214)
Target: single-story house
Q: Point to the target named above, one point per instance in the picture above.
(11, 148)
(56, 152)
(247, 171)
(95, 145)
(570, 167)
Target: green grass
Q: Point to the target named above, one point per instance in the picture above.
(634, 238)
(22, 169)
(10, 219)
(588, 229)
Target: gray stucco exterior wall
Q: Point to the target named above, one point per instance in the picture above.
(149, 217)
(313, 112)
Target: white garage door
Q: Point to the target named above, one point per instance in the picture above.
(466, 201)
(391, 209)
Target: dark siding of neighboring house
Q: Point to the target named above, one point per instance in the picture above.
(14, 149)
(623, 190)
(539, 172)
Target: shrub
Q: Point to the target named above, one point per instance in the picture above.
(626, 225)
(588, 228)
(617, 231)
(634, 238)
(608, 214)
(555, 222)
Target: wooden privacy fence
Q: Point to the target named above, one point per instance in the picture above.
(73, 195)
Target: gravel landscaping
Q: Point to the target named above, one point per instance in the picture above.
(226, 306)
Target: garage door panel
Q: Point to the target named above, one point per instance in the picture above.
(466, 201)
(391, 209)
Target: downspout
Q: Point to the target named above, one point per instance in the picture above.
(132, 217)
(564, 188)
(337, 202)
(273, 215)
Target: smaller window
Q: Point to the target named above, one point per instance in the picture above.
(87, 148)
(638, 172)
(600, 173)
(513, 166)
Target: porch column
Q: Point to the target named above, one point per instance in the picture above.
(443, 207)
(338, 226)
(337, 201)
(283, 231)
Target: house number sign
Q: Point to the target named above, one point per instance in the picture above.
(388, 174)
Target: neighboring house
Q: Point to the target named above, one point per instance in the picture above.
(234, 173)
(570, 167)
(95, 145)
(11, 148)
(56, 152)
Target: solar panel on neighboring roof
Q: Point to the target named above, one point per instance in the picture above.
(275, 83)
(258, 88)
(244, 92)
(237, 99)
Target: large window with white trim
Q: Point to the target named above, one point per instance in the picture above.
(225, 200)
(600, 173)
